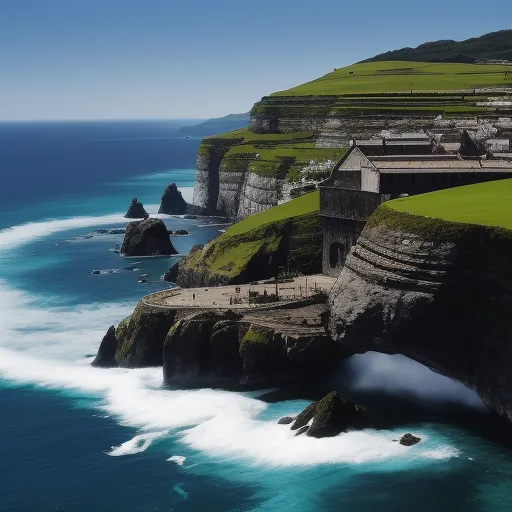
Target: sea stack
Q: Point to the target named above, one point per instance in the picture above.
(172, 202)
(147, 237)
(136, 210)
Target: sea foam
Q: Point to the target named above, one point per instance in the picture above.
(44, 344)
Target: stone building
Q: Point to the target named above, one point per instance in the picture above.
(359, 182)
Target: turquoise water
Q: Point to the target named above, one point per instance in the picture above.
(81, 438)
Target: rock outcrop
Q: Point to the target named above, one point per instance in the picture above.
(141, 336)
(409, 440)
(172, 202)
(329, 417)
(193, 348)
(435, 291)
(136, 210)
(105, 357)
(147, 238)
(335, 414)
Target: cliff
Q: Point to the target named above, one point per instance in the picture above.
(295, 136)
(285, 238)
(204, 347)
(436, 290)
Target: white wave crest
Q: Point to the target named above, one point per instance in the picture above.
(46, 346)
(138, 444)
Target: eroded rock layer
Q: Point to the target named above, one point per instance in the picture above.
(434, 291)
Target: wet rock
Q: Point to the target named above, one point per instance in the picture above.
(136, 210)
(172, 202)
(224, 349)
(147, 238)
(302, 430)
(105, 356)
(335, 414)
(187, 352)
(409, 440)
(141, 336)
(305, 416)
(286, 420)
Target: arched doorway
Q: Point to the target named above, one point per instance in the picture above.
(336, 253)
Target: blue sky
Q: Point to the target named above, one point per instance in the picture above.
(129, 59)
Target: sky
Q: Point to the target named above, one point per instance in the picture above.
(145, 59)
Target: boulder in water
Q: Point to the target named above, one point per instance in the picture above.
(409, 440)
(147, 238)
(286, 420)
(172, 202)
(136, 210)
(335, 414)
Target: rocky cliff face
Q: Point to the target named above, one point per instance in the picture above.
(434, 291)
(236, 178)
(203, 347)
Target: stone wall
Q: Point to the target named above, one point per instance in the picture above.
(343, 214)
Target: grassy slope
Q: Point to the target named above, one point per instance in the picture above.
(307, 203)
(402, 76)
(229, 254)
(488, 204)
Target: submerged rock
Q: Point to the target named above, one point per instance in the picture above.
(286, 420)
(147, 238)
(136, 210)
(172, 202)
(106, 353)
(409, 440)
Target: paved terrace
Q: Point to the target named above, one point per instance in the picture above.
(237, 296)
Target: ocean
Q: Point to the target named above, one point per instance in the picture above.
(77, 438)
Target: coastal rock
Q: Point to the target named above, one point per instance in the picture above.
(178, 232)
(305, 416)
(141, 336)
(409, 440)
(335, 414)
(136, 210)
(187, 351)
(172, 202)
(443, 299)
(286, 420)
(302, 430)
(147, 238)
(105, 358)
(224, 348)
(263, 352)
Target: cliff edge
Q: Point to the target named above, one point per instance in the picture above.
(437, 290)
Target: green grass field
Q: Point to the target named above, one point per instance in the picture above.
(487, 204)
(308, 203)
(402, 76)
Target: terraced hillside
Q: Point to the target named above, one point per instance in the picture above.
(294, 136)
